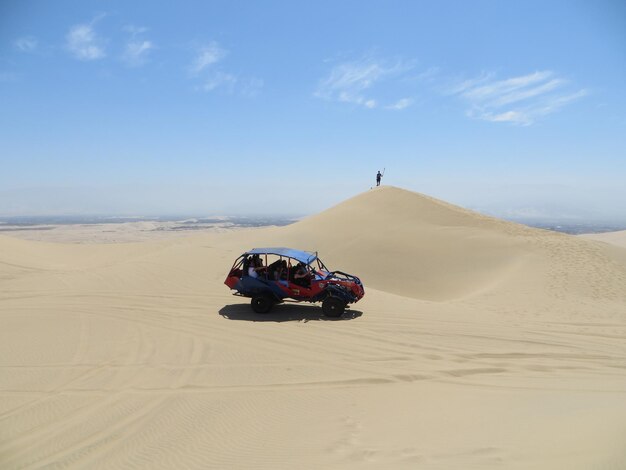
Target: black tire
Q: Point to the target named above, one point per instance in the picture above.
(262, 304)
(333, 307)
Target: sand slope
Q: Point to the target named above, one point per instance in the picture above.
(479, 344)
(614, 238)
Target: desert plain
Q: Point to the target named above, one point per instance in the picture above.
(479, 343)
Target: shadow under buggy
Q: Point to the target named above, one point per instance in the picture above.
(274, 275)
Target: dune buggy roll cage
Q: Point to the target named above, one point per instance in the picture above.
(301, 256)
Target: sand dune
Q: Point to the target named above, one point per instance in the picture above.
(416, 246)
(479, 343)
(614, 238)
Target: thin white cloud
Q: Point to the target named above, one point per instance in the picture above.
(26, 43)
(527, 93)
(354, 82)
(136, 52)
(207, 67)
(207, 56)
(219, 79)
(519, 100)
(83, 42)
(464, 85)
(251, 86)
(401, 104)
(501, 87)
(230, 83)
(557, 102)
(137, 49)
(370, 104)
(134, 30)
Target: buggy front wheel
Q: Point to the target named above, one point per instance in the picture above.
(333, 307)
(261, 304)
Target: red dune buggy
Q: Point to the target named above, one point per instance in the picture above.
(272, 275)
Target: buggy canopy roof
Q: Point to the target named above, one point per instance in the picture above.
(302, 256)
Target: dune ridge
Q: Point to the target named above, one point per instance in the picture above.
(480, 343)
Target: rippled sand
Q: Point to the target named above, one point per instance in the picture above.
(479, 344)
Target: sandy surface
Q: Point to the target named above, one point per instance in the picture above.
(479, 344)
(614, 238)
(111, 232)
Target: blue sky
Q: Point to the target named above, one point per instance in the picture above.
(512, 108)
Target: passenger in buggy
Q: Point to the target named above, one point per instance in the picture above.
(301, 275)
(253, 265)
(278, 270)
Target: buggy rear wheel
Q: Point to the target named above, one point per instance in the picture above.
(261, 304)
(333, 307)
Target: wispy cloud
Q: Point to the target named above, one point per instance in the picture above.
(361, 82)
(231, 83)
(207, 56)
(134, 30)
(519, 100)
(26, 43)
(136, 52)
(207, 67)
(83, 42)
(250, 86)
(137, 48)
(219, 79)
(353, 82)
(401, 104)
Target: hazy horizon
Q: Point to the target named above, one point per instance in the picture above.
(550, 216)
(523, 203)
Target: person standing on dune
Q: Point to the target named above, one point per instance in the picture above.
(378, 178)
